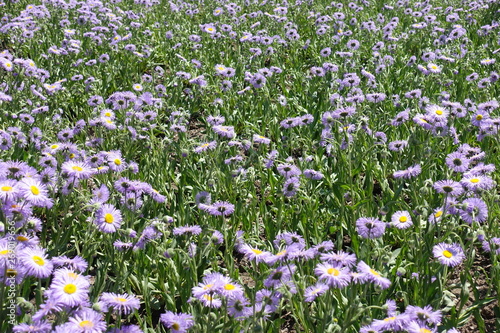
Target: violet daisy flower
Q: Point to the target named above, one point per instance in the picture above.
(34, 192)
(372, 275)
(474, 210)
(108, 219)
(424, 315)
(252, 253)
(289, 170)
(370, 227)
(35, 263)
(280, 276)
(8, 190)
(477, 182)
(177, 322)
(394, 323)
(457, 162)
(203, 197)
(448, 254)
(86, 321)
(313, 174)
(261, 139)
(77, 170)
(339, 258)
(191, 230)
(314, 291)
(334, 276)
(69, 290)
(401, 219)
(206, 146)
(412, 171)
(448, 187)
(291, 186)
(224, 131)
(220, 208)
(120, 303)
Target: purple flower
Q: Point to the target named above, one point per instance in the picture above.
(206, 146)
(398, 146)
(288, 170)
(291, 186)
(120, 303)
(224, 131)
(35, 263)
(333, 275)
(401, 219)
(474, 210)
(252, 253)
(411, 172)
(192, 230)
(177, 322)
(69, 288)
(369, 274)
(448, 254)
(474, 182)
(448, 187)
(279, 276)
(220, 208)
(457, 162)
(314, 291)
(353, 44)
(261, 139)
(370, 227)
(424, 315)
(108, 219)
(258, 80)
(313, 174)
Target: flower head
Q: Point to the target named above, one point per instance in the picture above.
(448, 254)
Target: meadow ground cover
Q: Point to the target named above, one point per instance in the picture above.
(249, 166)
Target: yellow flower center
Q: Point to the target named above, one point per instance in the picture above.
(54, 146)
(374, 272)
(77, 168)
(38, 260)
(86, 324)
(70, 288)
(390, 319)
(447, 254)
(108, 218)
(4, 252)
(208, 286)
(403, 219)
(35, 190)
(438, 213)
(22, 238)
(256, 251)
(6, 188)
(439, 112)
(117, 161)
(333, 271)
(121, 299)
(474, 180)
(229, 286)
(176, 326)
(424, 330)
(479, 117)
(107, 114)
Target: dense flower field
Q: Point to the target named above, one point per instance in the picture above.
(249, 166)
